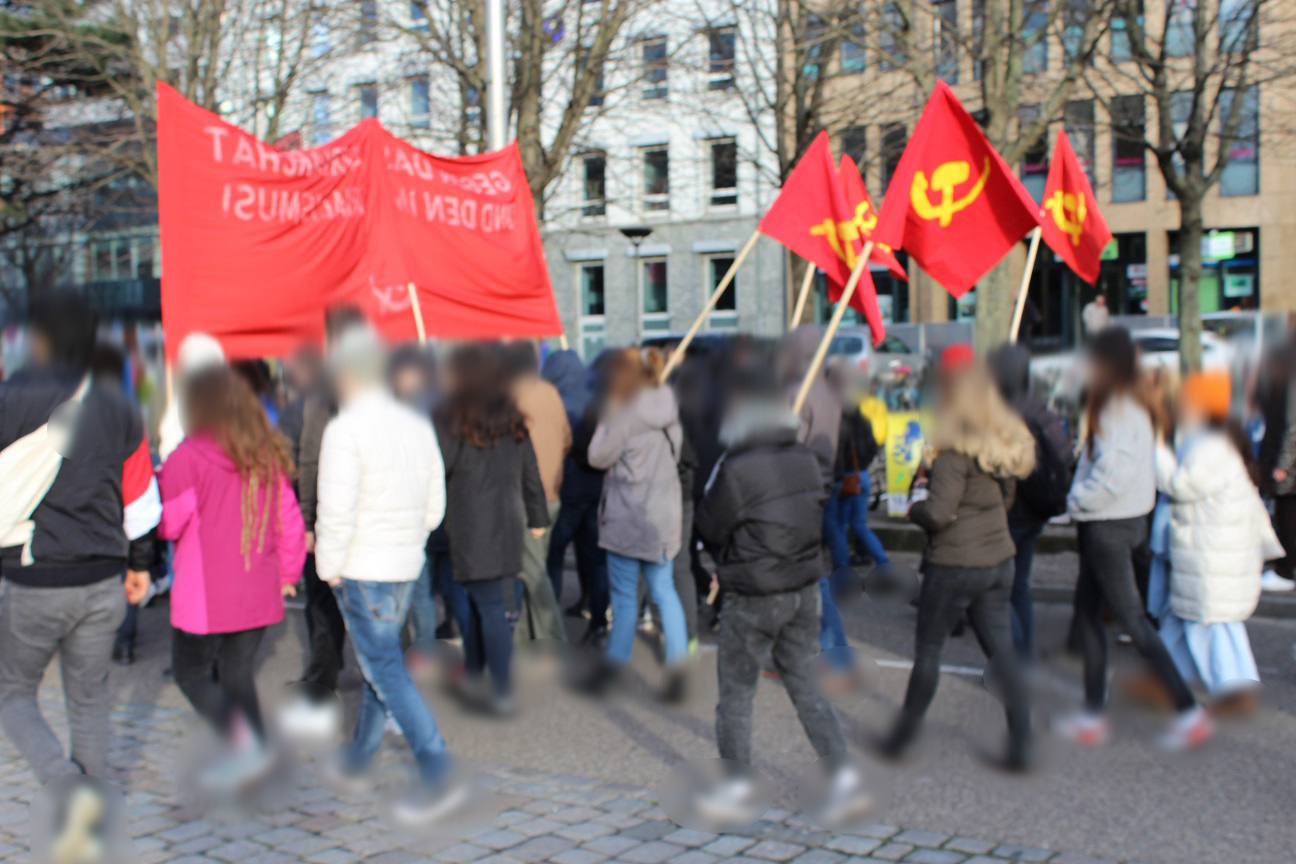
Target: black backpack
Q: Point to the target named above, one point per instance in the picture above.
(1044, 492)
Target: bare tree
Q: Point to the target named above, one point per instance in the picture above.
(1201, 63)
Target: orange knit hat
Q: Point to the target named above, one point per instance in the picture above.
(1209, 392)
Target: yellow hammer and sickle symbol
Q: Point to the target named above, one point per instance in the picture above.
(842, 235)
(1069, 213)
(944, 180)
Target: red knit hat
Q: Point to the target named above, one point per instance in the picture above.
(958, 356)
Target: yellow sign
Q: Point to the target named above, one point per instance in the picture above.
(1069, 213)
(904, 450)
(945, 179)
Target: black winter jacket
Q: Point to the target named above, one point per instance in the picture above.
(762, 515)
(856, 446)
(492, 496)
(78, 537)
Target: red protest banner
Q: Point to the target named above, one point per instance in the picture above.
(257, 242)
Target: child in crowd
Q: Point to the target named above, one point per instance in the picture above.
(228, 504)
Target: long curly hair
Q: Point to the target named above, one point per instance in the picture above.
(479, 406)
(220, 403)
(974, 420)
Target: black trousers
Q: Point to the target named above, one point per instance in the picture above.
(325, 630)
(1107, 550)
(216, 674)
(983, 594)
(1285, 527)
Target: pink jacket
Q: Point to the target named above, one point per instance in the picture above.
(215, 591)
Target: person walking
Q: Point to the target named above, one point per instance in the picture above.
(228, 504)
(1217, 537)
(551, 438)
(381, 492)
(579, 494)
(761, 519)
(981, 450)
(848, 504)
(495, 493)
(1043, 494)
(65, 443)
(1095, 316)
(1111, 496)
(1277, 458)
(638, 442)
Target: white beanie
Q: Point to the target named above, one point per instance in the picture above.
(198, 351)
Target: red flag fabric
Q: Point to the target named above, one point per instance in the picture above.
(257, 242)
(866, 216)
(1072, 226)
(812, 218)
(953, 204)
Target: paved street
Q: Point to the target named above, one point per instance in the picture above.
(576, 778)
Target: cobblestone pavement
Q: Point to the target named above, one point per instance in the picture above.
(543, 817)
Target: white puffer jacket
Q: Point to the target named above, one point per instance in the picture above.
(1220, 535)
(381, 491)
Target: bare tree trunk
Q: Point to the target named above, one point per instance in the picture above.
(1190, 270)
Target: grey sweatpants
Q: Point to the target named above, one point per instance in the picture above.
(784, 627)
(80, 625)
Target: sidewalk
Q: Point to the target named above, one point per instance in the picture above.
(563, 819)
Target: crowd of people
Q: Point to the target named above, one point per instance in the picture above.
(411, 496)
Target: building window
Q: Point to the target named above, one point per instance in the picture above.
(368, 94)
(656, 303)
(655, 67)
(1242, 173)
(420, 102)
(1238, 26)
(853, 141)
(1074, 16)
(594, 190)
(724, 173)
(1035, 161)
(852, 49)
(1181, 108)
(321, 123)
(592, 325)
(1121, 48)
(1035, 20)
(1078, 119)
(320, 41)
(1179, 28)
(600, 90)
(1128, 172)
(656, 179)
(978, 37)
(947, 40)
(893, 38)
(418, 15)
(725, 314)
(472, 107)
(893, 144)
(816, 34)
(368, 29)
(722, 44)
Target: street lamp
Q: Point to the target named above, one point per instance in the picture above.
(636, 236)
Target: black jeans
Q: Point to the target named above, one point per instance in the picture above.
(216, 674)
(947, 594)
(1285, 527)
(325, 630)
(1024, 537)
(1107, 574)
(577, 523)
(489, 640)
(785, 627)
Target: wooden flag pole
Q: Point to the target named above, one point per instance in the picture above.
(811, 269)
(562, 342)
(418, 314)
(678, 354)
(1025, 284)
(861, 264)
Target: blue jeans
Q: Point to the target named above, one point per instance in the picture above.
(831, 632)
(488, 639)
(577, 523)
(374, 613)
(843, 515)
(623, 581)
(1023, 610)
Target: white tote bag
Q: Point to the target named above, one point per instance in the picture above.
(28, 467)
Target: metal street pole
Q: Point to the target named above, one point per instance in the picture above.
(496, 83)
(636, 236)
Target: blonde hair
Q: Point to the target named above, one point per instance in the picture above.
(974, 420)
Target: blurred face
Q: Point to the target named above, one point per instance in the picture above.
(408, 382)
(41, 351)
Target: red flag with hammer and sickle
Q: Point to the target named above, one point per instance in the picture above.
(866, 217)
(953, 204)
(811, 217)
(1071, 224)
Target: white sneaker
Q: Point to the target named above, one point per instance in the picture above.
(733, 802)
(421, 808)
(848, 800)
(1084, 728)
(1272, 582)
(312, 722)
(1190, 729)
